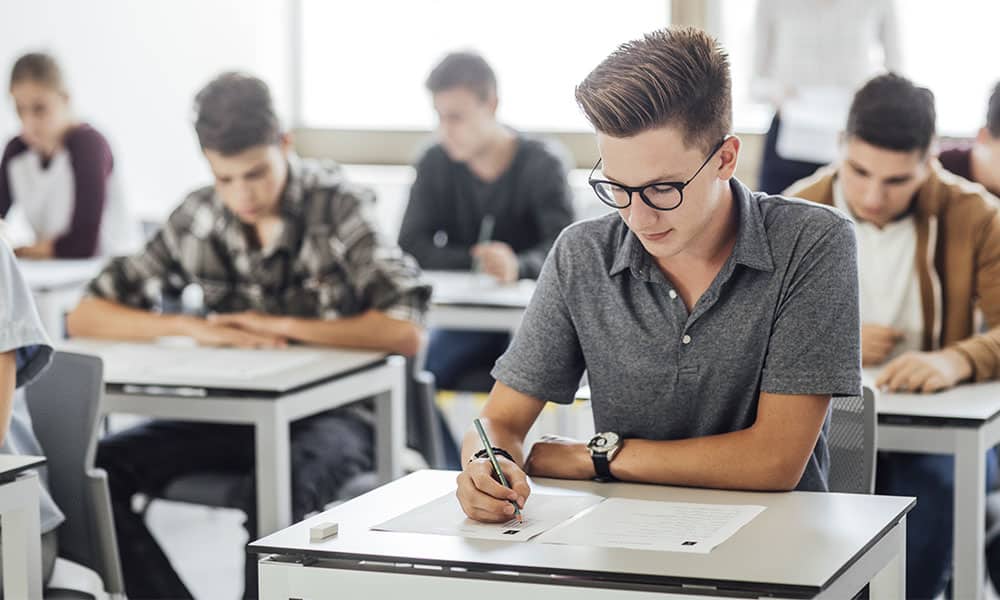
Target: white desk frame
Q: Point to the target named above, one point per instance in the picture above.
(463, 302)
(965, 423)
(21, 539)
(272, 417)
(295, 574)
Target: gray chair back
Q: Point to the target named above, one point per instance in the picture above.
(65, 412)
(852, 443)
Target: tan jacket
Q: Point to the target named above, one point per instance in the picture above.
(958, 263)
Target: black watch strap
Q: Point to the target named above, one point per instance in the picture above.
(497, 451)
(602, 466)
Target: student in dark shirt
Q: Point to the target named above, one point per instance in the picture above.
(980, 161)
(480, 169)
(59, 173)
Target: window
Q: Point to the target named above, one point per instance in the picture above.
(945, 46)
(364, 63)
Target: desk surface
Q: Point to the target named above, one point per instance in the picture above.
(12, 464)
(973, 404)
(268, 371)
(459, 288)
(48, 275)
(800, 543)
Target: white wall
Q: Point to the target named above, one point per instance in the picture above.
(133, 68)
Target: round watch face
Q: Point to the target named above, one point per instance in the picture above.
(603, 442)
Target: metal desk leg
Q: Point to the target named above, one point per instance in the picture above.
(390, 423)
(970, 513)
(21, 539)
(272, 435)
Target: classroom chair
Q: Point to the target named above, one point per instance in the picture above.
(64, 404)
(852, 443)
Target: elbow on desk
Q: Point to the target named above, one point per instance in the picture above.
(407, 340)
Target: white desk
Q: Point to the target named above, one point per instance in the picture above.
(477, 302)
(804, 545)
(962, 422)
(21, 538)
(189, 384)
(57, 286)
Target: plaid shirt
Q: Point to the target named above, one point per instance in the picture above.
(327, 260)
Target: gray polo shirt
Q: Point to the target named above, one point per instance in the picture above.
(21, 331)
(780, 317)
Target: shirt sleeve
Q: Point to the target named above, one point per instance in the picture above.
(141, 280)
(90, 157)
(422, 221)
(13, 148)
(21, 328)
(552, 206)
(544, 359)
(382, 275)
(815, 343)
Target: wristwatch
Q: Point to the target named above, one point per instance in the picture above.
(603, 448)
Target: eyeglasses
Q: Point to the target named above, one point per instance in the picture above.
(660, 195)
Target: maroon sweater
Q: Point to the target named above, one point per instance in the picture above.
(90, 157)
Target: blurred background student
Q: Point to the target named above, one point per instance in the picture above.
(57, 179)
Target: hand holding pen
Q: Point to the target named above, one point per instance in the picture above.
(481, 491)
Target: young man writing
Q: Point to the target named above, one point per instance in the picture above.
(481, 179)
(283, 252)
(929, 250)
(714, 323)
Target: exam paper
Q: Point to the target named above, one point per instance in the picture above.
(444, 516)
(648, 525)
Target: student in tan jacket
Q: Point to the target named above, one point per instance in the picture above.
(929, 254)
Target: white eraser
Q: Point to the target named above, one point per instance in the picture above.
(318, 533)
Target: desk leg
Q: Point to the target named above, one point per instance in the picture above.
(890, 582)
(970, 513)
(272, 435)
(21, 539)
(390, 423)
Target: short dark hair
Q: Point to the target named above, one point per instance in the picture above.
(993, 112)
(463, 69)
(892, 113)
(38, 67)
(674, 76)
(234, 112)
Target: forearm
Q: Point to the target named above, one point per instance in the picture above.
(741, 460)
(372, 330)
(8, 381)
(99, 318)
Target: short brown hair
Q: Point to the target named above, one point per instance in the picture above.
(677, 76)
(234, 112)
(463, 69)
(40, 68)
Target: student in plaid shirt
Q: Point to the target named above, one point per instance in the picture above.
(283, 251)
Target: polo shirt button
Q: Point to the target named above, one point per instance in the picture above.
(686, 340)
(673, 294)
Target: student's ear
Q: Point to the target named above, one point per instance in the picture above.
(492, 103)
(729, 152)
(983, 136)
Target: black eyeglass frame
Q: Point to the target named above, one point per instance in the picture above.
(641, 190)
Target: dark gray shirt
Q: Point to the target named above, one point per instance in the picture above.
(530, 203)
(780, 317)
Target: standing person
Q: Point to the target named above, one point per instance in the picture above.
(809, 57)
(481, 180)
(284, 252)
(59, 172)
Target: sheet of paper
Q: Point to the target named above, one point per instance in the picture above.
(444, 516)
(472, 288)
(195, 362)
(648, 525)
